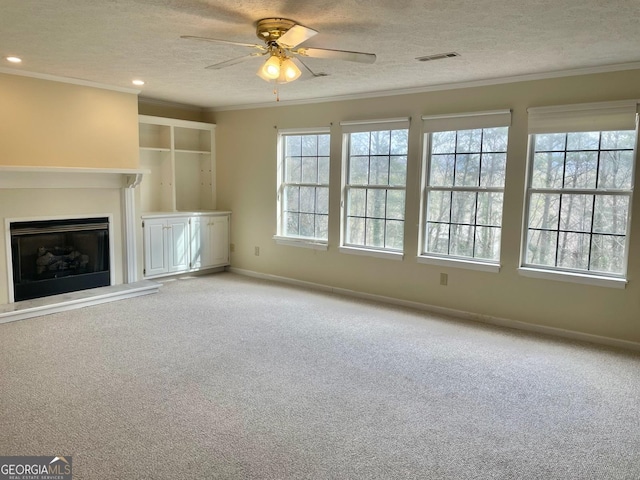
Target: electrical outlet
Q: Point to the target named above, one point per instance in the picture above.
(257, 251)
(232, 247)
(444, 279)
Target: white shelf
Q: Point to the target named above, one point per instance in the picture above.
(68, 177)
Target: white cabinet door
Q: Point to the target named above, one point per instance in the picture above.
(198, 242)
(155, 247)
(219, 240)
(178, 244)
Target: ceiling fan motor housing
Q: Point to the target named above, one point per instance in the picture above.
(271, 29)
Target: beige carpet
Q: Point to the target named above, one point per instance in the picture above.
(229, 377)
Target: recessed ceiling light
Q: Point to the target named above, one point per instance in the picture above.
(13, 59)
(138, 82)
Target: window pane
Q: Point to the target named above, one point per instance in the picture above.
(291, 223)
(398, 170)
(583, 140)
(395, 204)
(307, 225)
(625, 139)
(322, 200)
(357, 200)
(359, 143)
(439, 206)
(611, 214)
(323, 170)
(323, 145)
(309, 170)
(469, 141)
(543, 211)
(394, 234)
(548, 142)
(541, 248)
(443, 142)
(437, 238)
(441, 170)
(376, 202)
(355, 231)
(375, 233)
(322, 227)
(547, 170)
(307, 199)
(467, 170)
(489, 209)
(607, 254)
(463, 207)
(292, 145)
(461, 240)
(293, 169)
(379, 171)
(358, 170)
(310, 145)
(575, 213)
(380, 142)
(573, 250)
(492, 171)
(487, 243)
(495, 139)
(615, 170)
(580, 170)
(292, 198)
(399, 142)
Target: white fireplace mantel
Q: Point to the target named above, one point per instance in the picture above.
(69, 177)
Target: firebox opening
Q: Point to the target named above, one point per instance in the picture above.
(50, 257)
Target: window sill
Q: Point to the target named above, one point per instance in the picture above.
(301, 242)
(573, 277)
(369, 252)
(459, 263)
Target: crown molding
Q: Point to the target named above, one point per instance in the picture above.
(438, 88)
(68, 80)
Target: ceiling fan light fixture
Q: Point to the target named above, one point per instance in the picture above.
(270, 70)
(290, 70)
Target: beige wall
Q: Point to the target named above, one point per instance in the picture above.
(246, 156)
(159, 109)
(55, 124)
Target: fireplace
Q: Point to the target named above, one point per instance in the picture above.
(50, 257)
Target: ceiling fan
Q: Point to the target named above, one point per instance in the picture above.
(282, 38)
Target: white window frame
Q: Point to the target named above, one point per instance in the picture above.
(290, 240)
(349, 127)
(591, 117)
(448, 123)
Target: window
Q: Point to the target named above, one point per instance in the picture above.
(303, 185)
(580, 184)
(465, 162)
(375, 174)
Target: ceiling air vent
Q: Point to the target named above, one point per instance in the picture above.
(437, 56)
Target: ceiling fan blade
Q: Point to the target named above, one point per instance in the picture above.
(295, 36)
(227, 42)
(315, 75)
(233, 61)
(336, 54)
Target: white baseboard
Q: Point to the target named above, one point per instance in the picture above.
(488, 319)
(70, 301)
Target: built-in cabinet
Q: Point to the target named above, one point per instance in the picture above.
(182, 232)
(177, 243)
(180, 156)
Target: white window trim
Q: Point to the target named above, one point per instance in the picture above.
(301, 242)
(348, 127)
(313, 243)
(455, 122)
(571, 277)
(456, 262)
(372, 252)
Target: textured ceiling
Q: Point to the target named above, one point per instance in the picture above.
(113, 41)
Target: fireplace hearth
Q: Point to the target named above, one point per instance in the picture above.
(50, 257)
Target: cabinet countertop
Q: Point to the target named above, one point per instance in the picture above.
(199, 213)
